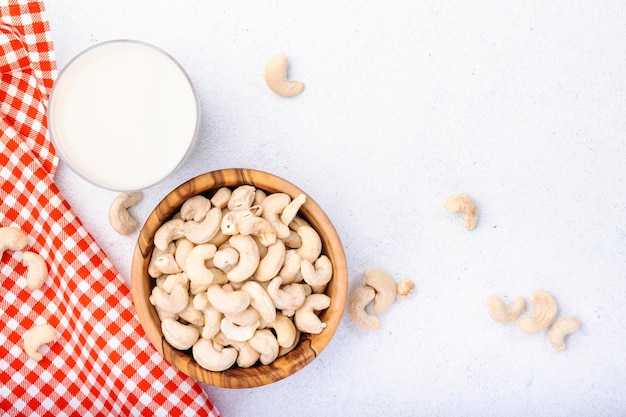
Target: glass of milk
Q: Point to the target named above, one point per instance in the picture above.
(123, 115)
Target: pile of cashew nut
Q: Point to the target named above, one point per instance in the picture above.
(14, 239)
(379, 289)
(239, 276)
(544, 312)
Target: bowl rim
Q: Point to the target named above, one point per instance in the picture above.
(310, 346)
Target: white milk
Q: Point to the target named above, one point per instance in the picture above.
(123, 115)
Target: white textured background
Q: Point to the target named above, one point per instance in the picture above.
(521, 104)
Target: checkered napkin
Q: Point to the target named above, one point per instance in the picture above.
(101, 364)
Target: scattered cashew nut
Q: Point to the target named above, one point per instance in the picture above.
(36, 337)
(544, 312)
(560, 329)
(12, 238)
(462, 203)
(404, 288)
(502, 313)
(37, 270)
(119, 217)
(361, 297)
(385, 287)
(380, 288)
(276, 77)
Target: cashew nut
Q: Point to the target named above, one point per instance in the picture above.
(266, 344)
(202, 232)
(260, 300)
(226, 259)
(244, 318)
(36, 337)
(560, 329)
(166, 264)
(201, 301)
(221, 197)
(461, 203)
(191, 314)
(195, 208)
(272, 262)
(169, 231)
(241, 198)
(227, 301)
(318, 274)
(276, 77)
(259, 196)
(297, 223)
(12, 238)
(289, 297)
(179, 335)
(119, 217)
(153, 271)
(168, 282)
(236, 332)
(273, 205)
(247, 355)
(37, 270)
(212, 322)
(285, 350)
(544, 312)
(228, 226)
(293, 241)
(195, 266)
(291, 267)
(502, 313)
(183, 247)
(404, 288)
(311, 243)
(360, 298)
(249, 258)
(258, 227)
(305, 318)
(290, 212)
(174, 302)
(385, 288)
(285, 330)
(208, 357)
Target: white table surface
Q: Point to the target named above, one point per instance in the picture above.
(521, 104)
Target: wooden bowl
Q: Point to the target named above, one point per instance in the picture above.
(309, 346)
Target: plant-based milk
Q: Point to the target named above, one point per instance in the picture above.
(123, 115)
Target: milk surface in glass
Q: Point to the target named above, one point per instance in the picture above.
(123, 115)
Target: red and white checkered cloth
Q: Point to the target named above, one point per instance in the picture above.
(101, 364)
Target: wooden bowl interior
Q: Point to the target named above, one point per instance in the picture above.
(309, 347)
